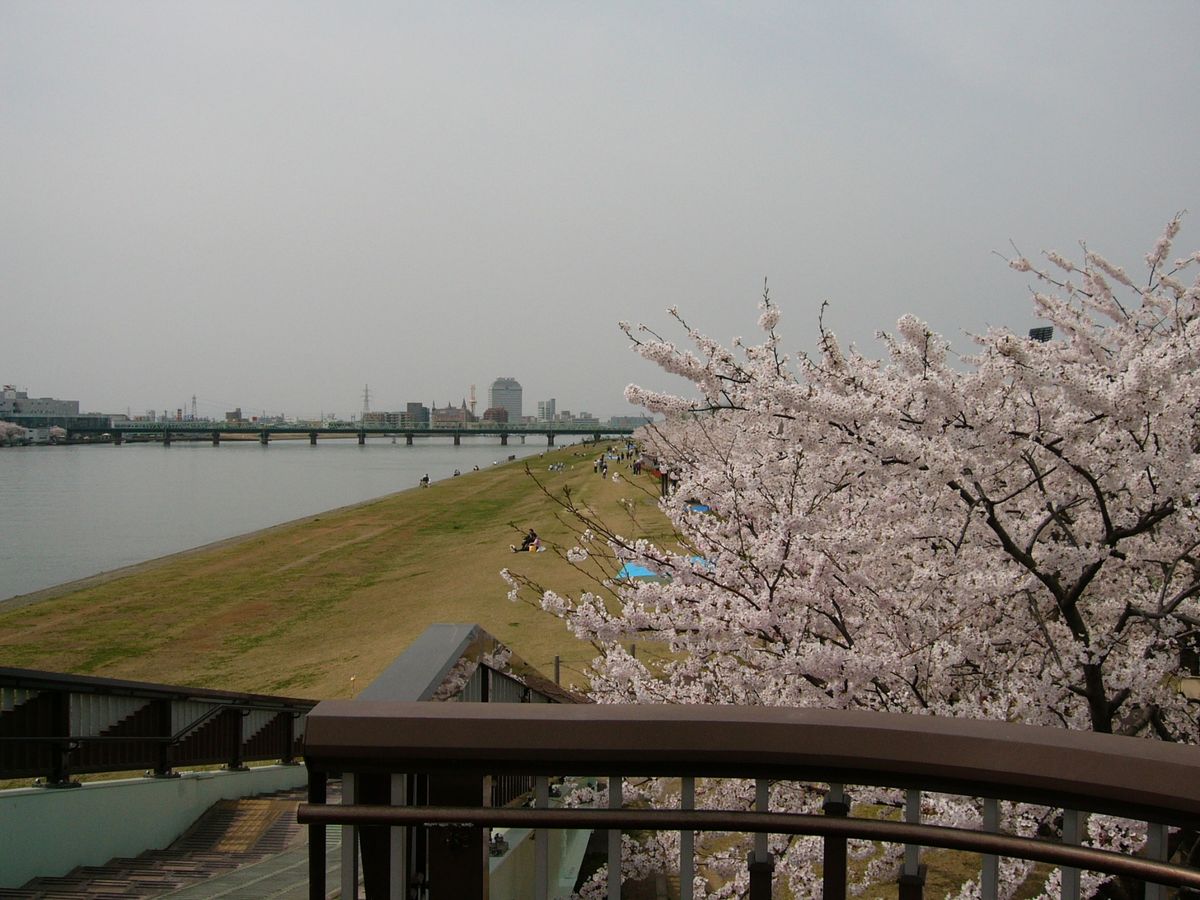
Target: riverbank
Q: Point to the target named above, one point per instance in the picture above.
(318, 607)
(90, 581)
(71, 512)
(83, 584)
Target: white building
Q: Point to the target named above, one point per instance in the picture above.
(19, 403)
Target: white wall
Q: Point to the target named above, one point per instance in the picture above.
(511, 876)
(50, 831)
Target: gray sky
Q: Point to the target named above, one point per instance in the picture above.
(272, 204)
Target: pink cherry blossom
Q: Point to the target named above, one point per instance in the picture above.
(1012, 539)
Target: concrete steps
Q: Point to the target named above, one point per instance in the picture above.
(247, 848)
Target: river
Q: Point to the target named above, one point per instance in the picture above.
(74, 511)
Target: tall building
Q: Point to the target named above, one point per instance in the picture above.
(546, 410)
(506, 393)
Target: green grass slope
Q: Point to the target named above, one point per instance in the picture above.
(317, 608)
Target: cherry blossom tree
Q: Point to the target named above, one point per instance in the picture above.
(10, 431)
(1010, 534)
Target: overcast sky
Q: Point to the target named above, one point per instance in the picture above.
(271, 205)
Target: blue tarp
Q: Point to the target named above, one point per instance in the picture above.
(633, 570)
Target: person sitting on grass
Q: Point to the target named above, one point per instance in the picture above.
(530, 541)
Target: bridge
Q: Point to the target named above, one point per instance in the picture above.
(119, 432)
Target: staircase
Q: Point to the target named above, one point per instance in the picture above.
(240, 849)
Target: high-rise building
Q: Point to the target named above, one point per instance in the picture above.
(506, 392)
(546, 410)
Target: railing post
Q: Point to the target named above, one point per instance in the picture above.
(834, 875)
(615, 792)
(236, 737)
(458, 855)
(687, 841)
(761, 865)
(912, 874)
(288, 756)
(162, 728)
(541, 842)
(375, 849)
(1074, 826)
(349, 841)
(1156, 849)
(60, 752)
(316, 839)
(398, 844)
(989, 875)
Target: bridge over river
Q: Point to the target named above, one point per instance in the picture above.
(118, 432)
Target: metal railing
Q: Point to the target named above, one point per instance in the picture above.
(54, 726)
(447, 667)
(463, 745)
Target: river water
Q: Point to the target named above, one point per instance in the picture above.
(75, 511)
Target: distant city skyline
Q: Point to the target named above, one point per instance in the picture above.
(209, 409)
(20, 401)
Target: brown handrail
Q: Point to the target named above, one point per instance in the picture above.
(39, 680)
(447, 752)
(1128, 777)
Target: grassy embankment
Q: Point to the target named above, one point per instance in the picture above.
(302, 608)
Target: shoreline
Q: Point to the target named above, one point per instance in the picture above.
(89, 581)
